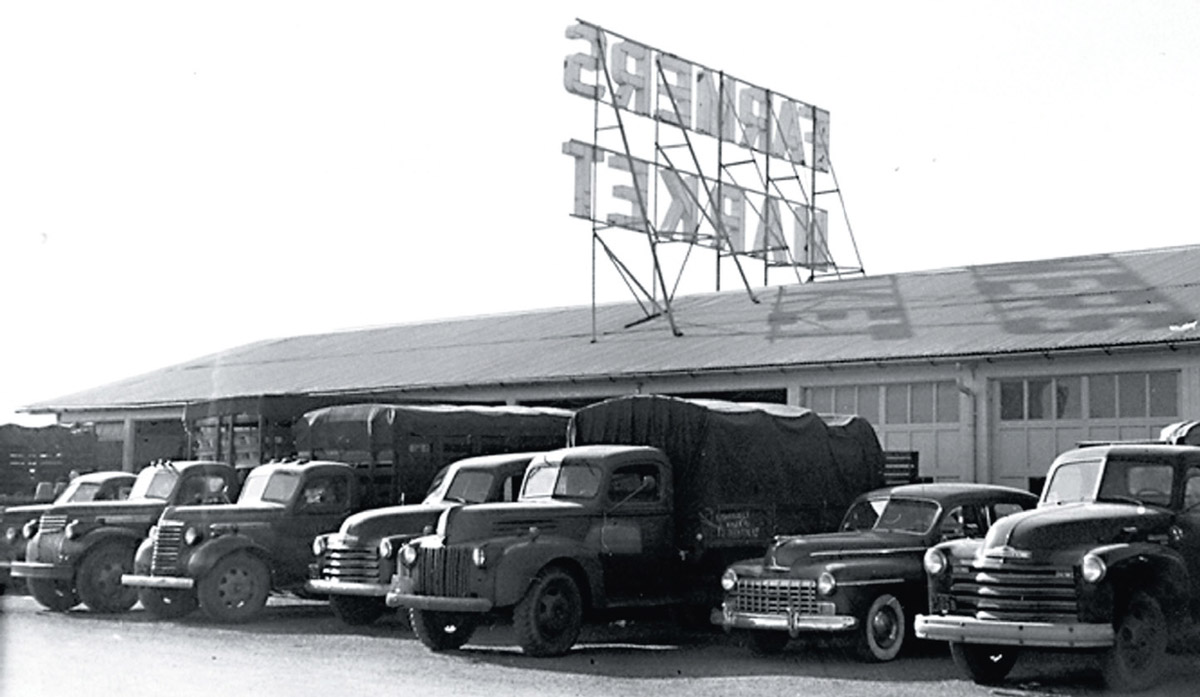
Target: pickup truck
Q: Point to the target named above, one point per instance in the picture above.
(1108, 562)
(609, 527)
(78, 551)
(226, 559)
(354, 565)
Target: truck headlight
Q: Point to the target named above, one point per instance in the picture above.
(408, 555)
(479, 557)
(10, 535)
(319, 545)
(386, 548)
(72, 530)
(29, 529)
(826, 583)
(729, 580)
(1093, 568)
(192, 535)
(935, 561)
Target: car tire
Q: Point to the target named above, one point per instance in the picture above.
(984, 664)
(99, 579)
(766, 643)
(548, 619)
(1137, 658)
(883, 629)
(442, 631)
(55, 596)
(168, 604)
(235, 590)
(356, 611)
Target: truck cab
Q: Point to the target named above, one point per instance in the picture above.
(354, 565)
(77, 551)
(226, 559)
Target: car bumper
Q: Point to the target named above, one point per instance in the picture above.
(969, 630)
(794, 624)
(372, 590)
(42, 570)
(161, 582)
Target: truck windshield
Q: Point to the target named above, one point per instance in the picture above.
(1136, 481)
(907, 515)
(1072, 482)
(469, 487)
(154, 483)
(565, 480)
(273, 487)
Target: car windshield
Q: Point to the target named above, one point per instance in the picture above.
(154, 483)
(907, 515)
(271, 487)
(561, 480)
(469, 486)
(862, 515)
(79, 491)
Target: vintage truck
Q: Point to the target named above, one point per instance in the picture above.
(354, 566)
(1109, 562)
(226, 559)
(647, 508)
(92, 486)
(78, 551)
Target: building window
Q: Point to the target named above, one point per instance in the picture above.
(1127, 395)
(1102, 396)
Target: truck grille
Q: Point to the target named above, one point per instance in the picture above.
(167, 544)
(1015, 591)
(776, 596)
(443, 571)
(352, 565)
(52, 523)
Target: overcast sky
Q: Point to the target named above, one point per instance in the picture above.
(181, 178)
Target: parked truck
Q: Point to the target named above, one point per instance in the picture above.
(655, 497)
(78, 551)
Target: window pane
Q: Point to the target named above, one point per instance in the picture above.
(868, 403)
(922, 403)
(1131, 394)
(1164, 394)
(1102, 396)
(820, 399)
(897, 404)
(1067, 396)
(1040, 399)
(1012, 400)
(843, 400)
(947, 402)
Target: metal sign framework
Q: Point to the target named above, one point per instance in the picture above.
(705, 210)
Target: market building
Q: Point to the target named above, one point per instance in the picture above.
(986, 371)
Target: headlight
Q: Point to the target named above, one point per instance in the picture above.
(935, 561)
(479, 557)
(386, 548)
(1093, 568)
(192, 535)
(826, 583)
(72, 530)
(408, 555)
(729, 580)
(10, 535)
(319, 545)
(29, 529)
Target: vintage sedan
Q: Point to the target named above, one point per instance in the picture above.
(867, 580)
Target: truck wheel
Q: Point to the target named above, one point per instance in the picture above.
(442, 631)
(356, 611)
(1137, 657)
(56, 596)
(235, 590)
(99, 579)
(547, 620)
(765, 643)
(883, 630)
(986, 665)
(168, 604)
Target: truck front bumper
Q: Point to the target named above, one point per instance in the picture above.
(969, 630)
(793, 623)
(371, 590)
(42, 570)
(401, 595)
(161, 582)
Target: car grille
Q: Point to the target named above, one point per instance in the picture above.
(1015, 591)
(443, 571)
(352, 565)
(52, 523)
(776, 596)
(167, 544)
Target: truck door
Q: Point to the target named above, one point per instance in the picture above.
(635, 535)
(1189, 522)
(321, 506)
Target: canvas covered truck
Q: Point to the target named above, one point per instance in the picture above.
(354, 566)
(77, 551)
(654, 498)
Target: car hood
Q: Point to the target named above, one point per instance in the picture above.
(1057, 527)
(842, 545)
(373, 525)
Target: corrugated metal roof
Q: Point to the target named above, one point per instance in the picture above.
(1108, 300)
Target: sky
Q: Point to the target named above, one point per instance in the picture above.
(179, 178)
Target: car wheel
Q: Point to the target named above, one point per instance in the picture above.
(356, 611)
(766, 643)
(56, 596)
(236, 589)
(442, 631)
(986, 665)
(168, 604)
(883, 630)
(99, 579)
(1137, 657)
(548, 619)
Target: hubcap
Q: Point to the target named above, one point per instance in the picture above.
(884, 628)
(236, 587)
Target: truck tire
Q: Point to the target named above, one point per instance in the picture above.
(547, 620)
(883, 629)
(442, 631)
(766, 643)
(99, 579)
(1137, 658)
(985, 664)
(235, 589)
(356, 611)
(168, 604)
(55, 596)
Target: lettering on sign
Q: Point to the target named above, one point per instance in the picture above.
(741, 524)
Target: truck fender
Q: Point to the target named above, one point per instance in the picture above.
(1170, 569)
(101, 537)
(213, 550)
(522, 561)
(144, 555)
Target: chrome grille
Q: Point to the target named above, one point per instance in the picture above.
(1015, 591)
(52, 523)
(352, 565)
(776, 596)
(443, 571)
(167, 544)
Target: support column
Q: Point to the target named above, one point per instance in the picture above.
(129, 446)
